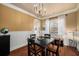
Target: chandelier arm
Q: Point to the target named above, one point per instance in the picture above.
(40, 10)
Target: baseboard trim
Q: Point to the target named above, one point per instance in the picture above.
(18, 48)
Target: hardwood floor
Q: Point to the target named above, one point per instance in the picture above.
(65, 51)
(23, 51)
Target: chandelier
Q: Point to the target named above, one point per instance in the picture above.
(40, 9)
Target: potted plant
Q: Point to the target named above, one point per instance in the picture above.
(4, 30)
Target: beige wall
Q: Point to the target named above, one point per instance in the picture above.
(71, 22)
(14, 20)
(78, 20)
(42, 22)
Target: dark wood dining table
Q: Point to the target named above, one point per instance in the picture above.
(44, 43)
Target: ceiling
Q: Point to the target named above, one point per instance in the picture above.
(51, 8)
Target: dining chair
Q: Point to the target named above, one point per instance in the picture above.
(31, 47)
(53, 49)
(32, 36)
(34, 49)
(52, 52)
(47, 36)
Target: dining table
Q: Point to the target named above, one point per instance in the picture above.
(44, 43)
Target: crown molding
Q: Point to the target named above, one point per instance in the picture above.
(47, 17)
(64, 12)
(19, 9)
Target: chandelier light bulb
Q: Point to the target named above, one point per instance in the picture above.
(44, 9)
(37, 12)
(35, 5)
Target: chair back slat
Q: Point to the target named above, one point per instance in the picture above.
(32, 36)
(47, 36)
(34, 49)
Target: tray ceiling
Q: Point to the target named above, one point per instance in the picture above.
(51, 8)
